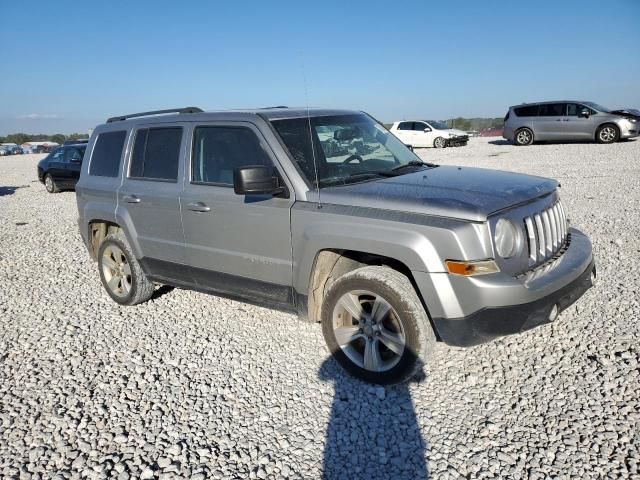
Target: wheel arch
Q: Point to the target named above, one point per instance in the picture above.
(603, 124)
(97, 231)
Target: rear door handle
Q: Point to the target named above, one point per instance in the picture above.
(131, 199)
(198, 207)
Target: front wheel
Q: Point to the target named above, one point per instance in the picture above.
(439, 142)
(607, 134)
(50, 184)
(375, 325)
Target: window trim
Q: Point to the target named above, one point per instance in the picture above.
(134, 137)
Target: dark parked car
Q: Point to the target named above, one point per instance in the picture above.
(60, 170)
(76, 141)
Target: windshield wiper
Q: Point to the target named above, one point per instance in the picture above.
(412, 164)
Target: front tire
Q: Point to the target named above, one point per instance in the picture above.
(439, 142)
(50, 184)
(607, 133)
(523, 137)
(375, 325)
(120, 273)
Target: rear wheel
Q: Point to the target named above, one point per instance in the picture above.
(439, 142)
(120, 272)
(523, 137)
(607, 133)
(375, 325)
(50, 185)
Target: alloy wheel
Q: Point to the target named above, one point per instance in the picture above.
(48, 183)
(116, 271)
(368, 330)
(523, 137)
(607, 134)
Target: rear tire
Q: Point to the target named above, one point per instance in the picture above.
(50, 184)
(607, 133)
(523, 137)
(120, 273)
(391, 338)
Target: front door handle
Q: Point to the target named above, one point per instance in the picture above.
(131, 199)
(198, 207)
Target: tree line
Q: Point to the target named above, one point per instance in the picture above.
(20, 138)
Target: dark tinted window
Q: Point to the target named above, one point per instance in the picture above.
(218, 150)
(105, 160)
(574, 109)
(405, 126)
(156, 153)
(73, 154)
(419, 126)
(57, 155)
(552, 109)
(528, 111)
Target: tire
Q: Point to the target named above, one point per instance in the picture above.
(50, 184)
(607, 133)
(523, 137)
(128, 285)
(405, 327)
(439, 142)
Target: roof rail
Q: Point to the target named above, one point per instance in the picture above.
(277, 106)
(155, 112)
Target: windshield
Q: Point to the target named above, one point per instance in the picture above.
(438, 125)
(347, 149)
(595, 106)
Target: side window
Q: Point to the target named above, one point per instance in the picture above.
(57, 155)
(574, 109)
(107, 153)
(552, 109)
(529, 111)
(156, 153)
(405, 126)
(419, 126)
(72, 155)
(218, 150)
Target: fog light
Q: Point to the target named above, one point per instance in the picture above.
(554, 313)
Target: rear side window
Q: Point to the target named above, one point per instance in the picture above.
(217, 151)
(552, 110)
(107, 153)
(405, 126)
(528, 111)
(156, 154)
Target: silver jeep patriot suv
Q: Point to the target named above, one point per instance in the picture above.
(327, 214)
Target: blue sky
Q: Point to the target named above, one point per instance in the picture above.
(66, 65)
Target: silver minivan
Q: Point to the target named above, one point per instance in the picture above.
(566, 120)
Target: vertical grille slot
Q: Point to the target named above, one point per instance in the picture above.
(546, 233)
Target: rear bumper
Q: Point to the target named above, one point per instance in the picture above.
(490, 323)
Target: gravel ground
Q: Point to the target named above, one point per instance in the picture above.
(193, 386)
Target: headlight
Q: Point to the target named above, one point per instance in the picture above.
(632, 120)
(507, 238)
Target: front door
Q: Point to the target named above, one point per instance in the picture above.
(149, 200)
(578, 126)
(73, 163)
(238, 245)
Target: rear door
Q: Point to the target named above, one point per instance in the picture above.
(577, 126)
(551, 122)
(236, 244)
(149, 198)
(405, 133)
(73, 163)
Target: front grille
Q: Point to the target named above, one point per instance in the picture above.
(546, 233)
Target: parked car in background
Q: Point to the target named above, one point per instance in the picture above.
(60, 170)
(4, 151)
(401, 253)
(428, 133)
(16, 150)
(567, 120)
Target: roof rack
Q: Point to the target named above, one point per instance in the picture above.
(155, 112)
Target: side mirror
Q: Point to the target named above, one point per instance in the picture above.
(427, 129)
(585, 113)
(255, 180)
(76, 160)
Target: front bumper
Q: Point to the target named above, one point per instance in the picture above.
(472, 310)
(458, 141)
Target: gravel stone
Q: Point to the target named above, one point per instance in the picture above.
(205, 387)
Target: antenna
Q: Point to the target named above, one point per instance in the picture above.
(313, 148)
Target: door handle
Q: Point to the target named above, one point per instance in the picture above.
(198, 207)
(131, 199)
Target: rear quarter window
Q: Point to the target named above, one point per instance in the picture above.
(529, 111)
(107, 154)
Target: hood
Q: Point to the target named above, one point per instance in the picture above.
(631, 112)
(457, 192)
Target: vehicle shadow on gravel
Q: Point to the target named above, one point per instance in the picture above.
(373, 431)
(8, 190)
